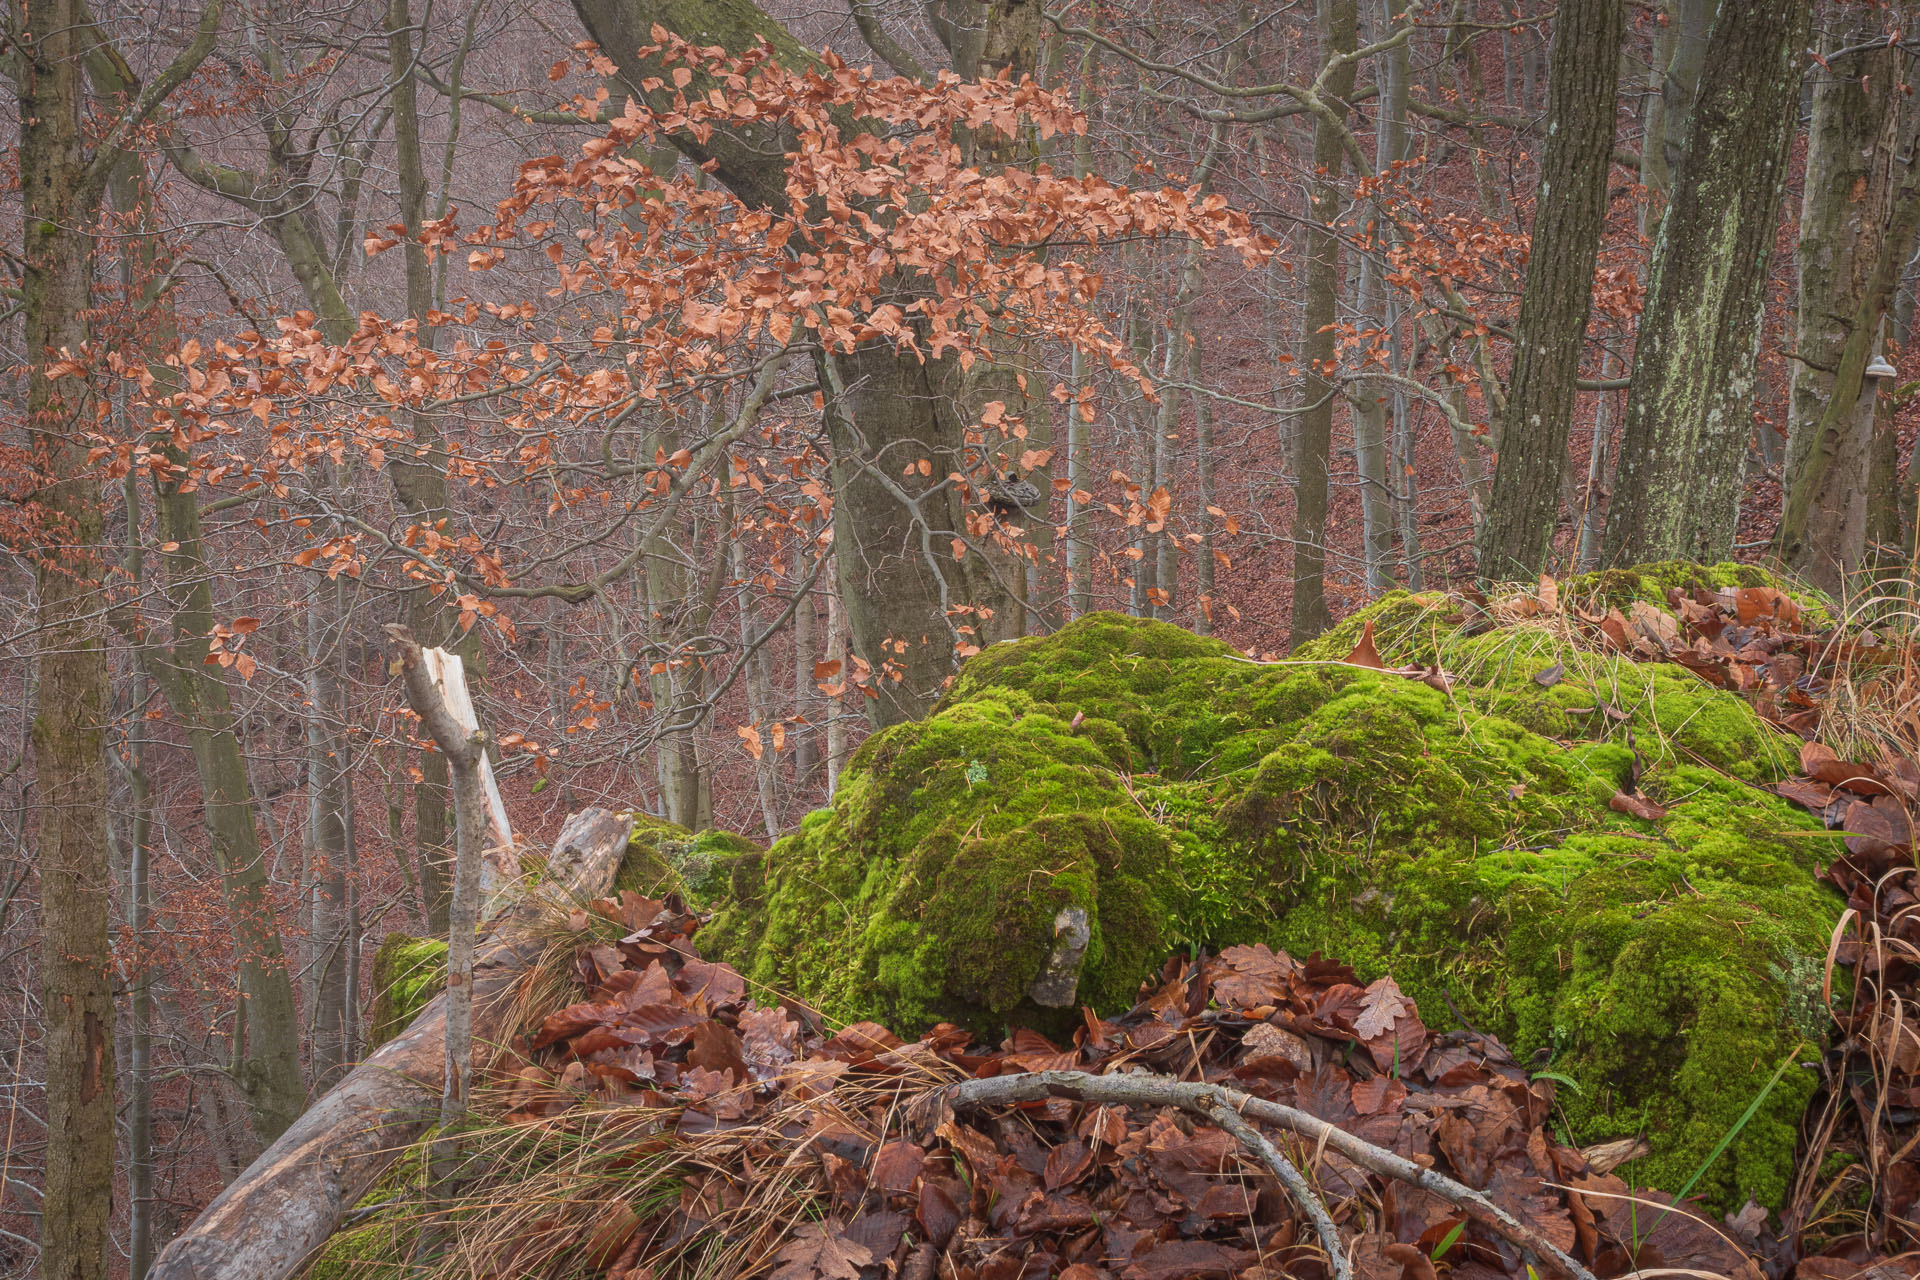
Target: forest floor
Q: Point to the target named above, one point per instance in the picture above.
(1253, 1114)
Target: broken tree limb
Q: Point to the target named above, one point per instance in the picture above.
(1208, 1101)
(286, 1204)
(437, 690)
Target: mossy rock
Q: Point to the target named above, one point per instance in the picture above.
(1122, 788)
(408, 973)
(663, 857)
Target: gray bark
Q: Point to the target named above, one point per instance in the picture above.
(283, 1207)
(1688, 419)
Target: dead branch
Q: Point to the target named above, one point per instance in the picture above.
(277, 1213)
(1230, 1109)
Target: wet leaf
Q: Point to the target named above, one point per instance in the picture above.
(1636, 805)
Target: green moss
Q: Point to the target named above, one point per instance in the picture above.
(384, 1243)
(408, 972)
(1459, 838)
(663, 857)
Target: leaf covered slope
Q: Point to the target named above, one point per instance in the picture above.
(1572, 851)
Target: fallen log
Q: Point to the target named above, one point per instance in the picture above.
(272, 1218)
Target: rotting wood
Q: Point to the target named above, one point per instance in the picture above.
(286, 1204)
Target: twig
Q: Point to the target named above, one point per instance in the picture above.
(1217, 1104)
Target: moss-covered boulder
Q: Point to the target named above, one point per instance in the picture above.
(664, 857)
(408, 972)
(1080, 804)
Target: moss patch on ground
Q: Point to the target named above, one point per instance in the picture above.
(1123, 788)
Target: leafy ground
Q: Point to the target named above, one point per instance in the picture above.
(668, 1124)
(679, 1119)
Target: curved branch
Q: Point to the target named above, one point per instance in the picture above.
(1207, 1099)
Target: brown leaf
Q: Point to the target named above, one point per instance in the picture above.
(1755, 604)
(1809, 793)
(1817, 760)
(1551, 676)
(1188, 1260)
(1067, 1164)
(1381, 1007)
(717, 1049)
(1364, 654)
(1614, 628)
(1248, 977)
(1605, 1157)
(1637, 805)
(610, 1236)
(822, 1251)
(1378, 1094)
(1414, 1265)
(938, 1212)
(896, 1166)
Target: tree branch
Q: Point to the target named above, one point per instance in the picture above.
(1211, 1101)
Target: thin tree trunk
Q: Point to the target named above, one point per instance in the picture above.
(1080, 508)
(759, 694)
(1587, 540)
(1369, 401)
(1570, 214)
(836, 651)
(465, 747)
(328, 802)
(70, 764)
(1209, 503)
(805, 736)
(137, 967)
(1337, 20)
(1680, 54)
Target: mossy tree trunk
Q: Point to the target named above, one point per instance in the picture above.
(76, 957)
(1570, 214)
(1684, 440)
(1858, 164)
(62, 185)
(1338, 21)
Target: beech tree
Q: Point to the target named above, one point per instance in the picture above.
(63, 181)
(1857, 232)
(1569, 215)
(1689, 409)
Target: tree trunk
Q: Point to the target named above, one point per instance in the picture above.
(1857, 166)
(1827, 498)
(69, 747)
(1570, 215)
(1368, 401)
(899, 581)
(329, 833)
(137, 967)
(465, 748)
(1684, 439)
(1338, 20)
(1679, 55)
